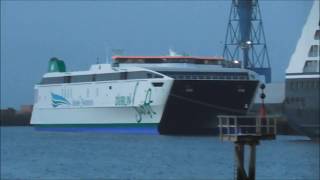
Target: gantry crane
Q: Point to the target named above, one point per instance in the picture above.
(245, 38)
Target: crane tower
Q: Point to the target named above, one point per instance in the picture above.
(245, 38)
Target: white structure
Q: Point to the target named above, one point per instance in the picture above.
(303, 79)
(306, 54)
(104, 95)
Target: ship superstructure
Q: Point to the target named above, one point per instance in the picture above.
(303, 79)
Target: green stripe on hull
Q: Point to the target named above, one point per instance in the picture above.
(118, 125)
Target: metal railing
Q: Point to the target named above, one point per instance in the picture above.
(247, 125)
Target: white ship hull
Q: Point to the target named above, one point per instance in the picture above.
(121, 102)
(96, 116)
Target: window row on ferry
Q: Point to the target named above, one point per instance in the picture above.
(173, 60)
(304, 84)
(293, 100)
(217, 76)
(100, 77)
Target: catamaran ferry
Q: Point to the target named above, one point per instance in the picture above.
(179, 94)
(203, 88)
(104, 95)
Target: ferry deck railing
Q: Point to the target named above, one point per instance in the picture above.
(235, 127)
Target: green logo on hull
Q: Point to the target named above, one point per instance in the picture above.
(145, 108)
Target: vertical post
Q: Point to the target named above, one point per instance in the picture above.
(228, 125)
(258, 124)
(252, 163)
(236, 130)
(275, 126)
(239, 153)
(220, 127)
(262, 110)
(268, 125)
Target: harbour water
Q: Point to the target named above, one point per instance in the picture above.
(30, 154)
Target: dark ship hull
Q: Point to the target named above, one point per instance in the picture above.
(203, 88)
(193, 105)
(302, 106)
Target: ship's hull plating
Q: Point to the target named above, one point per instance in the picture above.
(97, 116)
(114, 104)
(193, 105)
(302, 105)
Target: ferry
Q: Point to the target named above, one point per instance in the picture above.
(303, 79)
(176, 94)
(203, 88)
(105, 95)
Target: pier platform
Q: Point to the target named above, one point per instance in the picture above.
(246, 130)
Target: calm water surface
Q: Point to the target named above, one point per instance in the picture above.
(30, 154)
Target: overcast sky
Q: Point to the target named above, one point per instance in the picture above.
(79, 32)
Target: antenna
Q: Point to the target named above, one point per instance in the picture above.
(107, 55)
(98, 60)
(117, 52)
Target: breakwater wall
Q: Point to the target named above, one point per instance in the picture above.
(10, 117)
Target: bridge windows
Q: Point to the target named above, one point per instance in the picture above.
(142, 75)
(100, 77)
(311, 66)
(314, 51)
(317, 35)
(108, 77)
(52, 80)
(81, 78)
